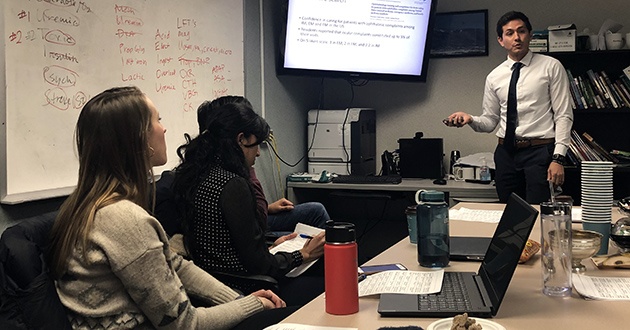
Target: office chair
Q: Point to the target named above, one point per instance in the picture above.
(244, 284)
(28, 297)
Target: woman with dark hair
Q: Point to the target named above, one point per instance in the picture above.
(280, 217)
(223, 229)
(111, 258)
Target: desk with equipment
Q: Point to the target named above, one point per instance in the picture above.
(458, 191)
(524, 306)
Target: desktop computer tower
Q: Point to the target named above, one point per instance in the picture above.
(421, 157)
(342, 141)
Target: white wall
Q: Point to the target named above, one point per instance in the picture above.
(283, 101)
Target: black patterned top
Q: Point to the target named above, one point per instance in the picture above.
(228, 234)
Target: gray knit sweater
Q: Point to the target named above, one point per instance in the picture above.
(134, 281)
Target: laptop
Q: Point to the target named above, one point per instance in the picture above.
(479, 294)
(466, 248)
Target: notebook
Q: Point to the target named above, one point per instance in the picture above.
(477, 294)
(466, 248)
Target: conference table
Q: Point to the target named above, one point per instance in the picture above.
(524, 307)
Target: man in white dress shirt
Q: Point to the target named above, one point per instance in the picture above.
(542, 115)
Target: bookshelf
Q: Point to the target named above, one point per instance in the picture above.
(608, 126)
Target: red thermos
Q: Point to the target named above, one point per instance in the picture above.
(341, 269)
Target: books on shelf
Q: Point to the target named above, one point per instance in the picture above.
(575, 92)
(596, 90)
(585, 148)
(613, 91)
(623, 91)
(538, 45)
(598, 148)
(625, 81)
(621, 155)
(539, 42)
(586, 93)
(596, 86)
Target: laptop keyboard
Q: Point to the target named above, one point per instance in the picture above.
(452, 296)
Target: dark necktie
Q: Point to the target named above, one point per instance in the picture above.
(510, 135)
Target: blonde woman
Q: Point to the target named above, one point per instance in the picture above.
(111, 258)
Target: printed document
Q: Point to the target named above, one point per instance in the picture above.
(491, 216)
(494, 216)
(602, 288)
(402, 281)
(296, 244)
(295, 326)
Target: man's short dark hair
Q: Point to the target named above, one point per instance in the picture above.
(510, 16)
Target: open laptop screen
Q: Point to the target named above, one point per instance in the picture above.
(507, 244)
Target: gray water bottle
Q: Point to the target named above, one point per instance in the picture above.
(433, 230)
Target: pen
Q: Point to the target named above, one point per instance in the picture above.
(362, 276)
(306, 236)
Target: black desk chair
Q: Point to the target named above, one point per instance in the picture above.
(245, 284)
(28, 297)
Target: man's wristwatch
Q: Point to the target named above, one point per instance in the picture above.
(558, 158)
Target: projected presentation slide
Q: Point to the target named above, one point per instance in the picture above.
(357, 35)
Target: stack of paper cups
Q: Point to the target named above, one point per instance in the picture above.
(597, 199)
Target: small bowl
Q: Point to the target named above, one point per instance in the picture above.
(585, 244)
(620, 234)
(622, 242)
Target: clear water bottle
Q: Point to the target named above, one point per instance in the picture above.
(433, 230)
(455, 155)
(484, 171)
(556, 244)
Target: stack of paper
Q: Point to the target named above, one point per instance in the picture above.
(602, 288)
(296, 244)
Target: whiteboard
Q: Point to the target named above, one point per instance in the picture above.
(57, 54)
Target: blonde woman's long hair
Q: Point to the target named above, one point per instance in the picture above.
(112, 144)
